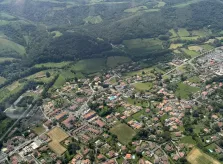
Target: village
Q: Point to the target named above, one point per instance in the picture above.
(139, 116)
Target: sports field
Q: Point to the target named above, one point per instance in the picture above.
(196, 156)
(57, 135)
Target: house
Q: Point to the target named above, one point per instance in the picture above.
(61, 116)
(100, 123)
(68, 122)
(89, 115)
(128, 156)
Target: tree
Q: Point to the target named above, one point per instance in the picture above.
(47, 74)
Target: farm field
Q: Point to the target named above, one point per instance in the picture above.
(52, 65)
(9, 46)
(196, 156)
(185, 90)
(143, 86)
(124, 132)
(89, 66)
(60, 81)
(57, 135)
(207, 47)
(114, 61)
(195, 48)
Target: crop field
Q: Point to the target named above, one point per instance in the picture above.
(185, 90)
(143, 86)
(52, 65)
(114, 61)
(57, 135)
(124, 133)
(183, 32)
(135, 9)
(189, 37)
(189, 52)
(89, 66)
(175, 46)
(93, 19)
(9, 46)
(196, 156)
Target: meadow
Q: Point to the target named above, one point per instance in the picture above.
(124, 133)
(185, 90)
(52, 65)
(93, 19)
(143, 86)
(196, 156)
(57, 135)
(189, 52)
(114, 61)
(89, 66)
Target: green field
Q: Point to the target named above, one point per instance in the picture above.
(39, 130)
(180, 5)
(200, 33)
(2, 80)
(6, 59)
(183, 32)
(89, 66)
(189, 52)
(60, 81)
(143, 45)
(194, 79)
(56, 34)
(143, 86)
(207, 47)
(173, 33)
(124, 133)
(52, 65)
(9, 46)
(189, 37)
(135, 9)
(188, 140)
(114, 61)
(185, 90)
(93, 19)
(175, 46)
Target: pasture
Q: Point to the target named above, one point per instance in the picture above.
(93, 19)
(10, 46)
(185, 90)
(143, 86)
(124, 132)
(207, 47)
(114, 61)
(196, 156)
(57, 135)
